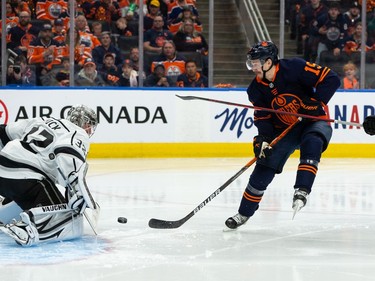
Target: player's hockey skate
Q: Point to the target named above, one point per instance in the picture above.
(236, 221)
(299, 200)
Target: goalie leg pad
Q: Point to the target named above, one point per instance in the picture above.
(51, 227)
(23, 231)
(9, 212)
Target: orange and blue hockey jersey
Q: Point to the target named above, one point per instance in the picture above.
(50, 9)
(294, 80)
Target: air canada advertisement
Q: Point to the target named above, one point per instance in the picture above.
(132, 116)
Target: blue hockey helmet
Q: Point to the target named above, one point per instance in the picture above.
(263, 50)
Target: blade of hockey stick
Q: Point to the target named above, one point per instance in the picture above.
(164, 224)
(272, 110)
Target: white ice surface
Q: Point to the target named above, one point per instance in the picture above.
(332, 238)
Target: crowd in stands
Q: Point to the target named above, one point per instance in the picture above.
(105, 40)
(329, 33)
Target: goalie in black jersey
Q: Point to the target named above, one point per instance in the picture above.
(292, 85)
(42, 176)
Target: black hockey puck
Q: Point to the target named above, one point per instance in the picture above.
(122, 220)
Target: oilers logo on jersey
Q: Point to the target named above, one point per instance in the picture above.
(55, 10)
(287, 103)
(173, 70)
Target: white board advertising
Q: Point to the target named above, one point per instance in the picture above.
(144, 115)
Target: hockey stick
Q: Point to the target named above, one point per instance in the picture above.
(164, 224)
(273, 110)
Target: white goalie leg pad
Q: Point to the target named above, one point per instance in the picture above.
(59, 227)
(9, 212)
(48, 227)
(23, 231)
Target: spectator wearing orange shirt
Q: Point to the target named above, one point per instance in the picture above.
(11, 18)
(50, 9)
(43, 51)
(65, 16)
(174, 64)
(87, 38)
(23, 6)
(350, 80)
(81, 50)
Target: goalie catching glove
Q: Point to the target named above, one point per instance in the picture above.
(261, 146)
(369, 125)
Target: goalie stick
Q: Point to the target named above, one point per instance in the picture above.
(273, 110)
(164, 224)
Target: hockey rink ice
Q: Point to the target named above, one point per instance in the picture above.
(332, 238)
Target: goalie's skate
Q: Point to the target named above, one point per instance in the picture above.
(236, 221)
(299, 200)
